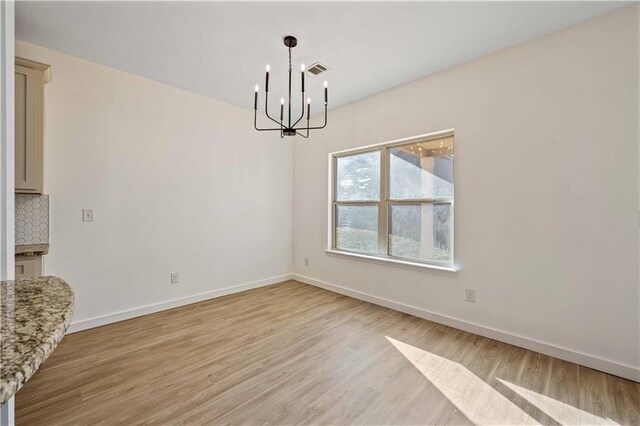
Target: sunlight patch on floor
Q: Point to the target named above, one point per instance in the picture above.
(478, 401)
(559, 411)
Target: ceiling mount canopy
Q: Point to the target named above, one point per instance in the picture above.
(290, 41)
(288, 128)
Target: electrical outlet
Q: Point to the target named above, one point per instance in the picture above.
(87, 215)
(175, 278)
(470, 295)
(306, 261)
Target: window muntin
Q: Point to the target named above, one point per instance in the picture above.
(405, 206)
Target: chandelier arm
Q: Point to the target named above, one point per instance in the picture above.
(308, 116)
(301, 114)
(300, 134)
(325, 121)
(266, 110)
(267, 130)
(307, 129)
(255, 124)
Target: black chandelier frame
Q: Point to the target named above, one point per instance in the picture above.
(289, 129)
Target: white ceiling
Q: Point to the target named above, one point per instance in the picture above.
(219, 49)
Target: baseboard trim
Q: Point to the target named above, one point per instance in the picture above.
(597, 363)
(169, 304)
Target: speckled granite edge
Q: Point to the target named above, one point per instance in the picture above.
(34, 249)
(36, 313)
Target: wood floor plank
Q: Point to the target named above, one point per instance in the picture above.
(296, 354)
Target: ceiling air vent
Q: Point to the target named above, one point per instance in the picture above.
(316, 69)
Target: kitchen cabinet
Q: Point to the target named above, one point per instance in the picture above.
(30, 78)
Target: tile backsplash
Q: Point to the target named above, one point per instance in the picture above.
(32, 219)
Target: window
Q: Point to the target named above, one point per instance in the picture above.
(395, 201)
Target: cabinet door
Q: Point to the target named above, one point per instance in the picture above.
(29, 121)
(28, 267)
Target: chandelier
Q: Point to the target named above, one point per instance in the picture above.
(287, 128)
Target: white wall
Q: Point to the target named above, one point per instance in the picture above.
(179, 182)
(546, 175)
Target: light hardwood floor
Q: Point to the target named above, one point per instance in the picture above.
(295, 354)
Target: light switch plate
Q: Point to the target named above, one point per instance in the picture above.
(175, 278)
(87, 215)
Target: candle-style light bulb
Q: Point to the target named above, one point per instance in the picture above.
(326, 92)
(255, 98)
(266, 78)
(302, 67)
(308, 100)
(281, 109)
(257, 88)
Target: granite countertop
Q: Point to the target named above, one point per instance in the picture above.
(32, 249)
(34, 315)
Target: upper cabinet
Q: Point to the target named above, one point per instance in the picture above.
(30, 78)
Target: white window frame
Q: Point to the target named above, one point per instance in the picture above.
(384, 204)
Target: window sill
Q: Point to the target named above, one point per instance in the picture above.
(392, 261)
